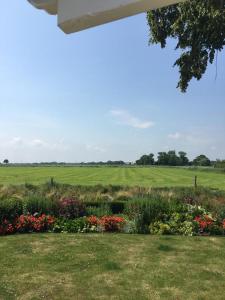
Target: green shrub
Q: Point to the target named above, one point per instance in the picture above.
(71, 226)
(182, 223)
(147, 211)
(71, 208)
(113, 207)
(124, 196)
(175, 223)
(195, 210)
(187, 228)
(41, 205)
(100, 211)
(221, 213)
(117, 207)
(104, 198)
(10, 208)
(31, 187)
(159, 228)
(216, 229)
(130, 226)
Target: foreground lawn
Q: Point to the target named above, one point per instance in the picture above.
(153, 176)
(111, 266)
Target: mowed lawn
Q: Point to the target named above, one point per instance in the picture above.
(153, 177)
(111, 266)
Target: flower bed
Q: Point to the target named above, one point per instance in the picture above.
(176, 224)
(154, 215)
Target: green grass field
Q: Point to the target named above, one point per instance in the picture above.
(153, 177)
(111, 266)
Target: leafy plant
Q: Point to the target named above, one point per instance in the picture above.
(34, 203)
(100, 211)
(176, 223)
(71, 208)
(10, 208)
(159, 228)
(79, 225)
(130, 226)
(146, 211)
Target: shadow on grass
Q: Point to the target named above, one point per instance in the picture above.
(165, 248)
(111, 266)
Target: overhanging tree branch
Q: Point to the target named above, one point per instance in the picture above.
(199, 28)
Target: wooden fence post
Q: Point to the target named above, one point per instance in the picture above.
(195, 182)
(52, 181)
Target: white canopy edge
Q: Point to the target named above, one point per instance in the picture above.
(77, 15)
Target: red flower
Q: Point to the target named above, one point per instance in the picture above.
(6, 228)
(93, 220)
(112, 223)
(223, 224)
(109, 223)
(204, 221)
(27, 223)
(197, 219)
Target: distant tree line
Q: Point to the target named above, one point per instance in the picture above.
(54, 163)
(107, 163)
(171, 158)
(220, 163)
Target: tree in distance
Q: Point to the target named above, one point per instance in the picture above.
(171, 158)
(202, 160)
(146, 160)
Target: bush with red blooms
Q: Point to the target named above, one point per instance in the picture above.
(6, 228)
(71, 208)
(207, 225)
(204, 221)
(93, 221)
(27, 223)
(108, 223)
(112, 223)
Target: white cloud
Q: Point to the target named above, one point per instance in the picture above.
(16, 141)
(126, 118)
(175, 136)
(38, 143)
(58, 145)
(95, 148)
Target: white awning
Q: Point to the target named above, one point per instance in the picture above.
(76, 15)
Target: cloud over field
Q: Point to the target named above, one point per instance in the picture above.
(125, 118)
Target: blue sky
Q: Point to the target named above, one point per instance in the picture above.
(99, 94)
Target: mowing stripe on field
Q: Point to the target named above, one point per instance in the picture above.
(146, 176)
